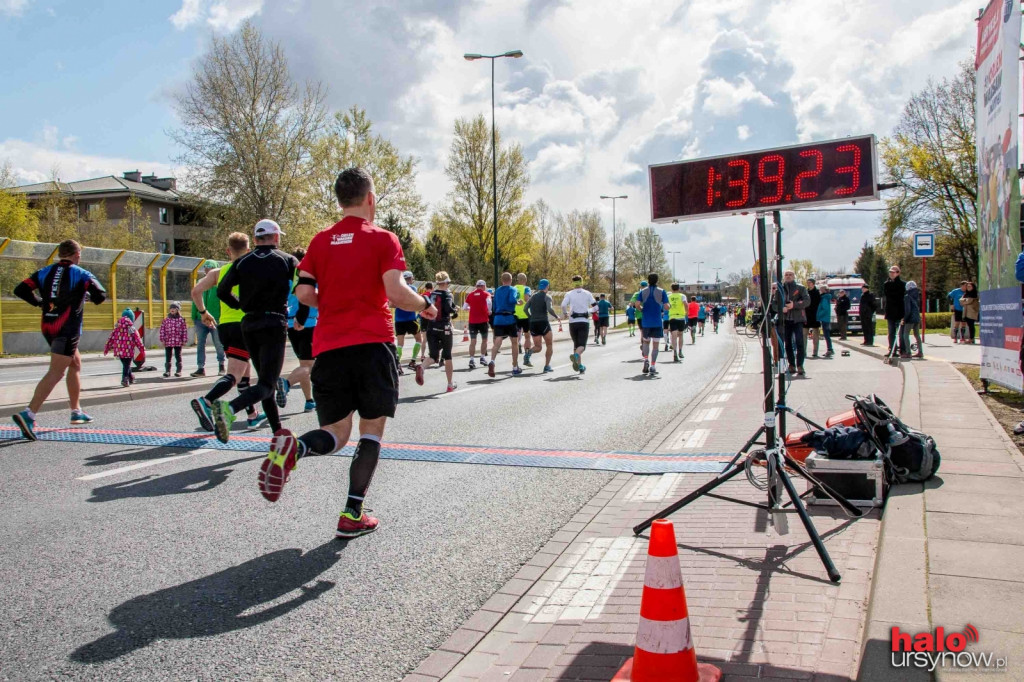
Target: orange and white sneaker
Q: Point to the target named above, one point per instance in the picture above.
(279, 463)
(351, 527)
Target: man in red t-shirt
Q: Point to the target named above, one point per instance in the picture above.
(478, 303)
(350, 272)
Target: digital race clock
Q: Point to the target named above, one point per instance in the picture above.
(837, 171)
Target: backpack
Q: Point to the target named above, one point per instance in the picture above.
(841, 442)
(909, 455)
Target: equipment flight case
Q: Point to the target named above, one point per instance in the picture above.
(861, 481)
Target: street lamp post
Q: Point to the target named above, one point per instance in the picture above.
(615, 252)
(674, 254)
(698, 263)
(469, 57)
(718, 284)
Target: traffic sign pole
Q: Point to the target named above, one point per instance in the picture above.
(924, 300)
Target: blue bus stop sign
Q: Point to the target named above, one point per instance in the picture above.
(924, 245)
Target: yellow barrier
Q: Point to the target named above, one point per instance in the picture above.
(163, 283)
(3, 245)
(113, 288)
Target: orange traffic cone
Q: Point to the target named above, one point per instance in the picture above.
(664, 646)
(465, 335)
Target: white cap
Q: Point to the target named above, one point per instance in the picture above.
(481, 283)
(265, 227)
(407, 274)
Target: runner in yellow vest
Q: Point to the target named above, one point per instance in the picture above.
(229, 328)
(523, 319)
(677, 313)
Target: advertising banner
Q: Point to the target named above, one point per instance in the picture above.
(996, 112)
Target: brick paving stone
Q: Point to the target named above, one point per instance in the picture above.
(760, 603)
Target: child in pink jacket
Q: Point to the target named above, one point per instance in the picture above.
(174, 335)
(125, 342)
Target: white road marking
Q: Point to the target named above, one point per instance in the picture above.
(719, 398)
(696, 439)
(142, 465)
(710, 414)
(460, 391)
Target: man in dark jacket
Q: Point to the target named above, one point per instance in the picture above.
(812, 328)
(868, 306)
(794, 312)
(842, 312)
(893, 292)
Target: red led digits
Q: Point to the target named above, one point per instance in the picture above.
(743, 183)
(711, 185)
(853, 169)
(798, 191)
(777, 178)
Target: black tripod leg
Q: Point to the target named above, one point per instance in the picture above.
(812, 532)
(676, 506)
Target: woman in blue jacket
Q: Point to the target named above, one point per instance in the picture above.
(912, 318)
(824, 316)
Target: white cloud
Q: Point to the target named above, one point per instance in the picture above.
(557, 160)
(727, 99)
(743, 132)
(33, 162)
(221, 15)
(13, 8)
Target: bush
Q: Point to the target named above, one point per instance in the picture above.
(938, 320)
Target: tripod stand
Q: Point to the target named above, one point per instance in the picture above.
(774, 453)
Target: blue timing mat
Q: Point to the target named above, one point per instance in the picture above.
(626, 462)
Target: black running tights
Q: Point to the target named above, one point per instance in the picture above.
(266, 352)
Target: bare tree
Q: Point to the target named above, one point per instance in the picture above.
(645, 253)
(247, 129)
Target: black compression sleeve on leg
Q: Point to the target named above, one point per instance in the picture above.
(318, 442)
(364, 463)
(220, 388)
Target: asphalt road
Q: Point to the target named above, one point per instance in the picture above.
(178, 569)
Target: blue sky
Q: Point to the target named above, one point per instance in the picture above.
(602, 91)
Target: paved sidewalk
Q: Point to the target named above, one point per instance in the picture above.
(953, 548)
(760, 603)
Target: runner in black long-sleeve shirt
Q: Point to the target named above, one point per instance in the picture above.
(264, 278)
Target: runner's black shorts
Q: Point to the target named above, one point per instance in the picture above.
(664, 325)
(477, 328)
(539, 327)
(503, 330)
(602, 322)
(62, 345)
(302, 342)
(579, 332)
(439, 344)
(361, 378)
(407, 327)
(653, 332)
(692, 321)
(677, 324)
(958, 316)
(424, 325)
(523, 324)
(233, 341)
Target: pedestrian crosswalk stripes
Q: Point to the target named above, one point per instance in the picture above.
(625, 462)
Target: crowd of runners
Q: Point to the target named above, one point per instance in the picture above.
(349, 328)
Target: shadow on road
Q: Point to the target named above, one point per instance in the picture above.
(192, 481)
(213, 605)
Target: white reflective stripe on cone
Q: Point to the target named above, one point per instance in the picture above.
(663, 573)
(664, 636)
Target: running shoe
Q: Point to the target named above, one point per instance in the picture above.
(203, 412)
(653, 372)
(547, 368)
(452, 387)
(281, 397)
(419, 374)
(79, 417)
(490, 369)
(526, 358)
(647, 366)
(280, 461)
(350, 526)
(483, 360)
(472, 363)
(583, 369)
(27, 425)
(575, 358)
(412, 364)
(223, 419)
(516, 371)
(309, 406)
(257, 421)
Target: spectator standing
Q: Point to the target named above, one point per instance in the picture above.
(207, 301)
(125, 343)
(957, 326)
(812, 327)
(912, 318)
(174, 335)
(795, 314)
(842, 312)
(972, 310)
(824, 317)
(868, 307)
(893, 293)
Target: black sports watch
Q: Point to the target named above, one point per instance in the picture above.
(426, 299)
